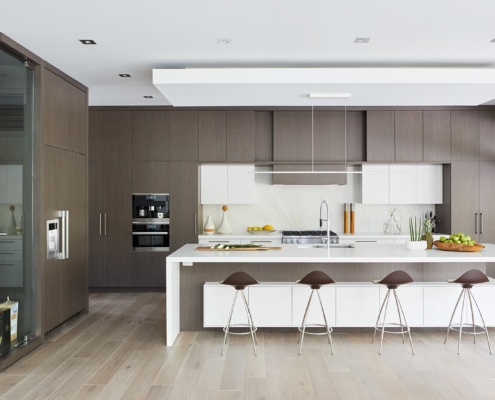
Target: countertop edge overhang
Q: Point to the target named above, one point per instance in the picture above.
(367, 253)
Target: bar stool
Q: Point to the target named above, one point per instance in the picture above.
(240, 280)
(467, 280)
(393, 281)
(316, 280)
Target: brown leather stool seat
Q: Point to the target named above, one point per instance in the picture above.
(468, 280)
(315, 280)
(240, 280)
(392, 281)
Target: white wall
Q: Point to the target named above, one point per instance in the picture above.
(297, 207)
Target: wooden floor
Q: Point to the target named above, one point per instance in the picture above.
(117, 351)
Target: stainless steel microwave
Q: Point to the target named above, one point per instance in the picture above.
(150, 236)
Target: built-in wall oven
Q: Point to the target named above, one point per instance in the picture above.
(150, 222)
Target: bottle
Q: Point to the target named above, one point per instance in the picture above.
(209, 228)
(352, 217)
(346, 219)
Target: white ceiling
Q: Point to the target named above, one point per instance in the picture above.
(137, 37)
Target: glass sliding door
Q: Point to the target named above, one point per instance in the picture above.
(17, 322)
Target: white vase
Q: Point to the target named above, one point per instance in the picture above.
(224, 225)
(12, 228)
(209, 228)
(416, 245)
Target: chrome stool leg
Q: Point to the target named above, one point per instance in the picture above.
(302, 328)
(482, 320)
(378, 319)
(405, 323)
(326, 323)
(228, 321)
(250, 321)
(383, 322)
(400, 316)
(452, 317)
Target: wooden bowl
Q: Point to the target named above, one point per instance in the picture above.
(457, 246)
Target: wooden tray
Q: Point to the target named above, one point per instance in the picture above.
(241, 249)
(457, 246)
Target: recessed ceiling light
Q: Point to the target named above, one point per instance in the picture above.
(125, 75)
(362, 40)
(224, 41)
(148, 97)
(87, 41)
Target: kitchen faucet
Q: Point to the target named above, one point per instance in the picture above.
(324, 202)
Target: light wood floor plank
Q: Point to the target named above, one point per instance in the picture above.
(81, 360)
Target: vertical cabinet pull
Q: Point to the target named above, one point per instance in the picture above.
(481, 223)
(100, 223)
(67, 226)
(105, 221)
(195, 224)
(476, 223)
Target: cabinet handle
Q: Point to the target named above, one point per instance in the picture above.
(105, 224)
(100, 223)
(481, 223)
(260, 241)
(3, 252)
(7, 264)
(218, 241)
(195, 224)
(475, 223)
(6, 241)
(67, 234)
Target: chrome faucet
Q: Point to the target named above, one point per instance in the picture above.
(324, 202)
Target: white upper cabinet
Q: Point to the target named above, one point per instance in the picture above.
(405, 184)
(227, 184)
(10, 184)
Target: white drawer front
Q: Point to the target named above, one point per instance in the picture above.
(11, 273)
(10, 244)
(217, 303)
(10, 256)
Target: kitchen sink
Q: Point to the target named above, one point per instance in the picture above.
(324, 246)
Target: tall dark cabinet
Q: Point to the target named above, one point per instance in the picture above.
(64, 188)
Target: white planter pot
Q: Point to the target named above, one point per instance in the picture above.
(416, 246)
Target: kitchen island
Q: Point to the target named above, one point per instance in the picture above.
(188, 270)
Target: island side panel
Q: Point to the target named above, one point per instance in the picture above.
(193, 278)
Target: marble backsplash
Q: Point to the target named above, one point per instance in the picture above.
(297, 207)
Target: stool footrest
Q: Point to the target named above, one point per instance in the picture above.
(313, 326)
(240, 326)
(400, 328)
(469, 329)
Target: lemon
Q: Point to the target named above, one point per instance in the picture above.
(268, 228)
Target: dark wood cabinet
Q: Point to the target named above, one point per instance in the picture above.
(486, 228)
(148, 269)
(150, 177)
(184, 218)
(465, 135)
(408, 136)
(65, 290)
(150, 136)
(356, 136)
(184, 141)
(487, 135)
(241, 136)
(212, 136)
(264, 136)
(110, 222)
(110, 136)
(465, 195)
(65, 114)
(297, 139)
(436, 136)
(380, 136)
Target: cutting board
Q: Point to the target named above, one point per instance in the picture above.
(242, 249)
(457, 246)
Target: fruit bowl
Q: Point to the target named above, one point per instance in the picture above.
(457, 246)
(261, 232)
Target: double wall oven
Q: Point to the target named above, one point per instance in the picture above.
(150, 222)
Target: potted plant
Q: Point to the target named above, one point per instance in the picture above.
(416, 232)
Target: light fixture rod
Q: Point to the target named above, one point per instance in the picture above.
(329, 95)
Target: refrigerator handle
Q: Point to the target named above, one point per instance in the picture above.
(481, 223)
(195, 224)
(62, 236)
(475, 223)
(67, 228)
(105, 231)
(100, 223)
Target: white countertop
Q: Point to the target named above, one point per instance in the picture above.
(378, 253)
(278, 235)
